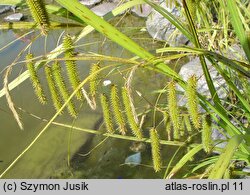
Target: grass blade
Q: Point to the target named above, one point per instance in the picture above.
(184, 160)
(238, 26)
(224, 160)
(10, 2)
(238, 66)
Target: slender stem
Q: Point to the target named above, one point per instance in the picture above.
(124, 137)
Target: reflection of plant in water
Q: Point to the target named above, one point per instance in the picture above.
(181, 123)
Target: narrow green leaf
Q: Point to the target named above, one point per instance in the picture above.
(233, 87)
(238, 66)
(224, 160)
(184, 160)
(238, 26)
(10, 2)
(104, 27)
(204, 163)
(59, 11)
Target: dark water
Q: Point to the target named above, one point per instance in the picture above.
(58, 146)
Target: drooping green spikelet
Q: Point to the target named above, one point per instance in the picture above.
(167, 125)
(39, 14)
(62, 88)
(207, 133)
(182, 127)
(53, 89)
(71, 65)
(192, 101)
(168, 129)
(93, 81)
(173, 109)
(188, 126)
(34, 79)
(115, 102)
(130, 115)
(107, 114)
(155, 149)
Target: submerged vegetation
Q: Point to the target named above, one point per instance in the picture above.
(211, 27)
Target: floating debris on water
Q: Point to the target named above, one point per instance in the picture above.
(106, 82)
(133, 160)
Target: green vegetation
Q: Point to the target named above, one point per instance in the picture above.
(189, 127)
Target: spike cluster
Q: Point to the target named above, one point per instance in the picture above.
(155, 149)
(34, 79)
(71, 65)
(130, 115)
(53, 89)
(93, 81)
(182, 127)
(173, 109)
(115, 102)
(39, 14)
(192, 101)
(188, 126)
(62, 88)
(207, 133)
(107, 114)
(167, 125)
